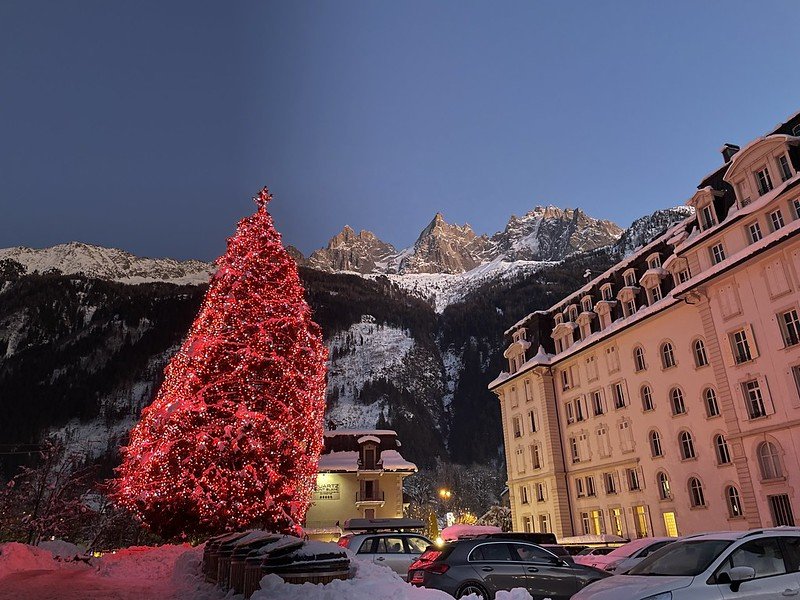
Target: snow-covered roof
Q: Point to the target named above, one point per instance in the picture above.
(460, 530)
(392, 461)
(368, 438)
(342, 462)
(359, 432)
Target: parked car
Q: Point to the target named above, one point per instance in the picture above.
(626, 556)
(396, 550)
(545, 540)
(484, 566)
(601, 551)
(761, 563)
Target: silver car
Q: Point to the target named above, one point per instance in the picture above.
(393, 549)
(759, 564)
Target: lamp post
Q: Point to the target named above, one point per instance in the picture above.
(445, 495)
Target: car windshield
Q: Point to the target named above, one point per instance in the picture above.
(688, 558)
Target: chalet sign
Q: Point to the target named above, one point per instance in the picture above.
(326, 491)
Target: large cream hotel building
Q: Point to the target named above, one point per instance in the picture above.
(663, 397)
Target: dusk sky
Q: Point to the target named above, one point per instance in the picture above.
(148, 126)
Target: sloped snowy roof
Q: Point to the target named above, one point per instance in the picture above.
(368, 438)
(359, 432)
(392, 461)
(342, 462)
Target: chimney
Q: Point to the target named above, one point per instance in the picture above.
(728, 150)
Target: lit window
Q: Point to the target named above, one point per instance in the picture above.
(710, 398)
(717, 253)
(764, 181)
(721, 446)
(647, 398)
(786, 171)
(667, 355)
(696, 496)
(790, 326)
(754, 231)
(776, 219)
(687, 445)
(754, 399)
(700, 357)
(655, 444)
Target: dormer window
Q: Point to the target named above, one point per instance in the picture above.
(683, 276)
(519, 335)
(630, 307)
(654, 262)
(764, 181)
(586, 303)
(655, 293)
(573, 313)
(786, 171)
(630, 278)
(707, 217)
(559, 318)
(606, 292)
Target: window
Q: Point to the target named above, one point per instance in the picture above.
(754, 232)
(717, 253)
(606, 292)
(676, 401)
(573, 445)
(591, 368)
(630, 307)
(700, 356)
(776, 220)
(786, 172)
(590, 488)
(390, 545)
(754, 399)
(566, 380)
(597, 403)
(647, 398)
(707, 215)
(540, 493)
(615, 514)
(632, 476)
(603, 441)
(741, 347)
(735, 509)
(585, 522)
(696, 496)
(610, 484)
(520, 460)
(625, 436)
(796, 207)
(532, 421)
(721, 447)
(523, 495)
(655, 444)
(570, 413)
(781, 510)
(663, 486)
(517, 427)
(769, 461)
(764, 181)
(573, 313)
(790, 326)
(544, 524)
(630, 278)
(654, 262)
(796, 375)
(710, 399)
(667, 355)
(619, 395)
(491, 552)
(687, 445)
(586, 303)
(640, 521)
(528, 395)
(764, 556)
(527, 527)
(655, 293)
(612, 359)
(536, 456)
(683, 276)
(638, 358)
(580, 414)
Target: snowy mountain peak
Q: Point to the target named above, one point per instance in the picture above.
(108, 263)
(361, 252)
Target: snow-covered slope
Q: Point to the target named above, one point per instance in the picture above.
(108, 263)
(646, 228)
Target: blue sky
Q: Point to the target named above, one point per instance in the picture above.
(149, 125)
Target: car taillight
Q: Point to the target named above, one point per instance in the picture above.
(430, 555)
(344, 542)
(437, 568)
(417, 577)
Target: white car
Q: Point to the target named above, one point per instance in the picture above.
(625, 556)
(396, 550)
(759, 564)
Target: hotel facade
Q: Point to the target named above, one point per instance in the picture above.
(663, 397)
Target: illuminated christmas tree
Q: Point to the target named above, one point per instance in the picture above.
(234, 435)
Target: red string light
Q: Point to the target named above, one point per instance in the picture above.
(234, 435)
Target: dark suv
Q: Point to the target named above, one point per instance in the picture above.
(484, 566)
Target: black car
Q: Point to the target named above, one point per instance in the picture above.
(484, 566)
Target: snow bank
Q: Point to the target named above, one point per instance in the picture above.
(133, 562)
(62, 549)
(21, 557)
(370, 582)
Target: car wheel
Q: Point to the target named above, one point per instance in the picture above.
(472, 588)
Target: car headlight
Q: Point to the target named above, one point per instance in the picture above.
(661, 596)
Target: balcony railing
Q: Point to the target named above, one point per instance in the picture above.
(374, 496)
(370, 465)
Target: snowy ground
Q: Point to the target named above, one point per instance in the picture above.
(173, 573)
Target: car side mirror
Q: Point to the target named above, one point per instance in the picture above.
(736, 576)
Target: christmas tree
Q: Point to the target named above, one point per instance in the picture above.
(234, 435)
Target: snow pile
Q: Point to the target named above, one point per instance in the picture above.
(130, 563)
(62, 549)
(369, 582)
(16, 557)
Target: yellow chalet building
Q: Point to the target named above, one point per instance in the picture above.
(360, 476)
(663, 397)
